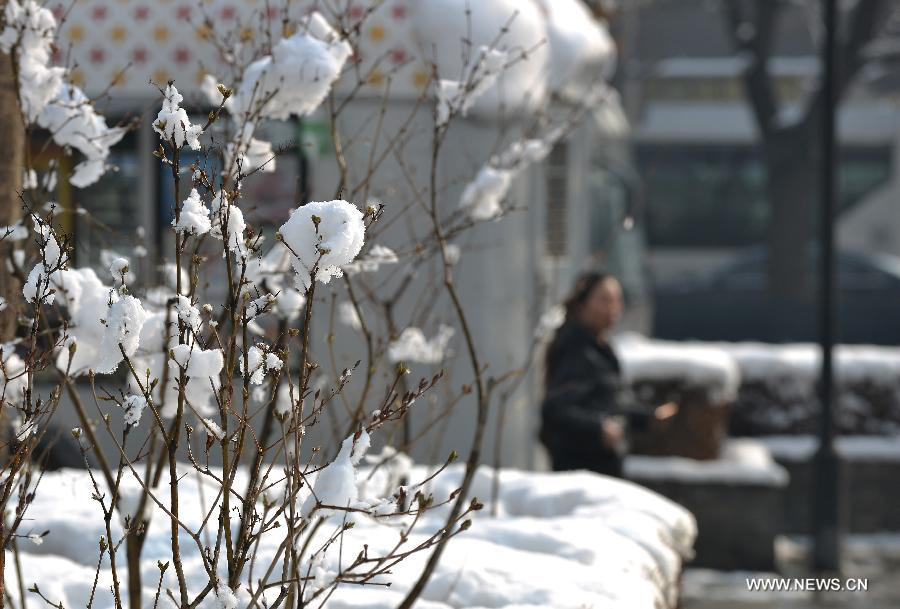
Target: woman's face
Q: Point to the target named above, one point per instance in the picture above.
(604, 305)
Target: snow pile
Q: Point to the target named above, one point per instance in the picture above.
(412, 346)
(47, 100)
(694, 364)
(742, 460)
(323, 236)
(559, 540)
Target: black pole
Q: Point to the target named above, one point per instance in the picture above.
(827, 551)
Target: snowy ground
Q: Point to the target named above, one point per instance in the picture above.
(561, 540)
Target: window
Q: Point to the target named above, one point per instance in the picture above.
(714, 195)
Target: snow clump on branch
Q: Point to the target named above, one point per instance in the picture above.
(323, 236)
(172, 123)
(457, 96)
(412, 346)
(47, 99)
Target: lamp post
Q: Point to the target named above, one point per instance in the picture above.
(827, 494)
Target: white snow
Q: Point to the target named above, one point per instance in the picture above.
(295, 78)
(188, 313)
(372, 261)
(194, 216)
(565, 541)
(582, 53)
(803, 447)
(445, 34)
(172, 123)
(412, 346)
(349, 316)
(124, 321)
(336, 483)
(13, 380)
(458, 96)
(259, 363)
(133, 408)
(696, 364)
(483, 197)
(323, 236)
(742, 460)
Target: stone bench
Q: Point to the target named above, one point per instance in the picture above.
(737, 499)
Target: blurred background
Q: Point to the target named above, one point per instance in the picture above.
(699, 187)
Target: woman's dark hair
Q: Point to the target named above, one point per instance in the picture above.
(581, 291)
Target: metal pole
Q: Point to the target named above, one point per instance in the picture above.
(826, 508)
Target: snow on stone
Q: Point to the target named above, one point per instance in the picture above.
(323, 236)
(172, 123)
(803, 447)
(695, 364)
(194, 216)
(741, 459)
(412, 346)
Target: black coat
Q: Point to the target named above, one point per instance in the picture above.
(584, 387)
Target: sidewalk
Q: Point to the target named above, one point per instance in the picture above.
(872, 557)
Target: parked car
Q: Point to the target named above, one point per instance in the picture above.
(734, 304)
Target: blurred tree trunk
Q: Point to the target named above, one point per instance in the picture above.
(12, 135)
(791, 151)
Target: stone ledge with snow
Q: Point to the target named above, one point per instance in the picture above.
(871, 468)
(558, 540)
(737, 499)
